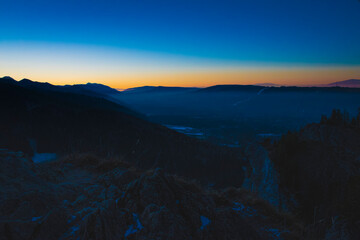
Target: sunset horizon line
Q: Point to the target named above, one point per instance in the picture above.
(264, 84)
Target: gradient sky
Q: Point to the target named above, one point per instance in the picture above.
(179, 42)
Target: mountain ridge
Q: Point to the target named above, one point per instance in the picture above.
(350, 83)
(103, 90)
(90, 89)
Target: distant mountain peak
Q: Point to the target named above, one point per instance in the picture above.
(25, 80)
(97, 87)
(32, 83)
(7, 79)
(352, 83)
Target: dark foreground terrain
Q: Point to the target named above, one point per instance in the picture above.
(84, 197)
(319, 167)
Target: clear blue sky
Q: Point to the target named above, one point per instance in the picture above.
(299, 32)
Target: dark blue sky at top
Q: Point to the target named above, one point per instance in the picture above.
(276, 31)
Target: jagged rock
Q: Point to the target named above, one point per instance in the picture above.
(262, 177)
(83, 203)
(113, 192)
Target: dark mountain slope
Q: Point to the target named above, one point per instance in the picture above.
(65, 123)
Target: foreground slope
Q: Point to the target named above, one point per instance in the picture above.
(84, 197)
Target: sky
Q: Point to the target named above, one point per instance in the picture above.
(180, 42)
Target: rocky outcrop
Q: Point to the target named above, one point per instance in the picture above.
(87, 198)
(319, 166)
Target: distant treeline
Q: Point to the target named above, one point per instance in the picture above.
(343, 118)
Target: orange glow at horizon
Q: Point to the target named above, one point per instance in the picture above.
(292, 76)
(298, 77)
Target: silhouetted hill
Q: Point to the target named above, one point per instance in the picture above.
(36, 85)
(62, 123)
(89, 89)
(95, 87)
(8, 80)
(351, 83)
